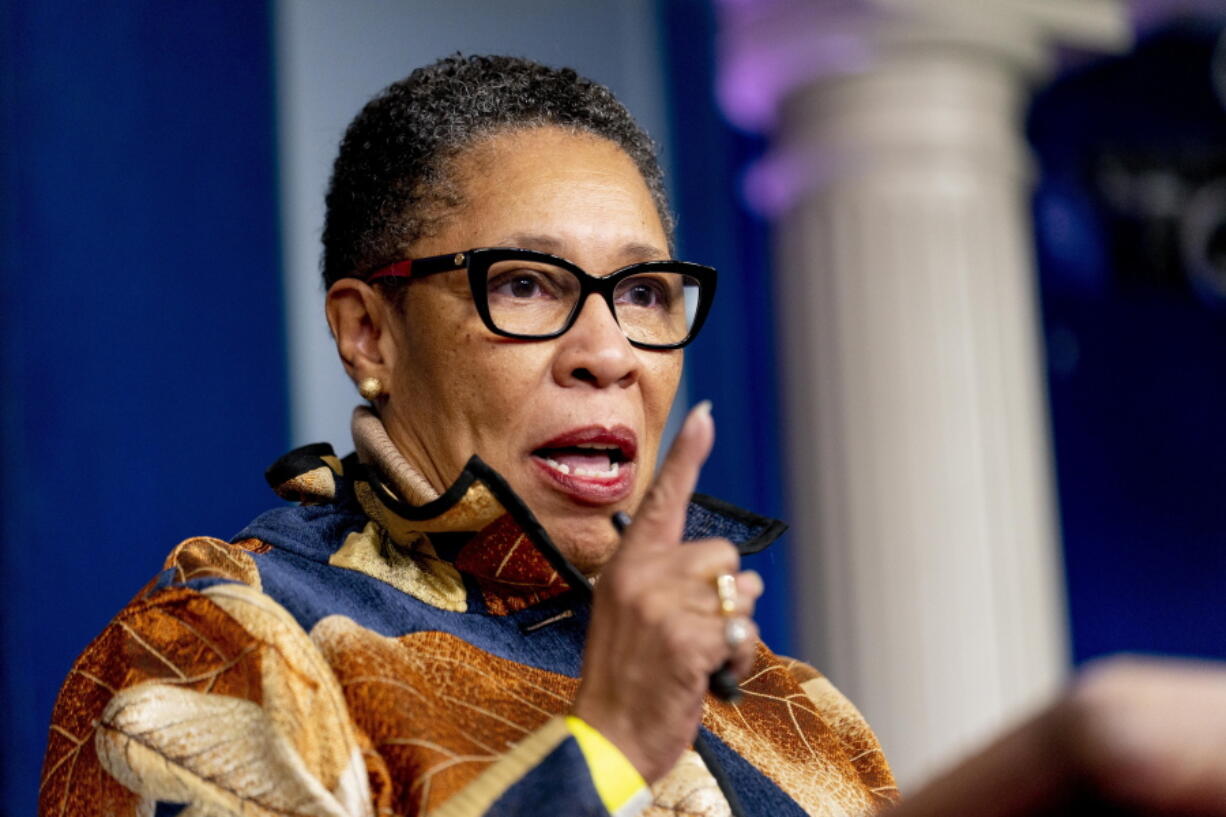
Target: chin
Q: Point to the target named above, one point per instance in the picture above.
(587, 543)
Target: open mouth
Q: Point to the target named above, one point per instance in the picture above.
(590, 460)
(592, 464)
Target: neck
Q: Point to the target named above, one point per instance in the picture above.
(376, 449)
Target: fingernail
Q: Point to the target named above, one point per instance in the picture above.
(703, 408)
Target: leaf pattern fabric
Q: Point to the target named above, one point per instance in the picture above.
(215, 698)
(303, 670)
(222, 755)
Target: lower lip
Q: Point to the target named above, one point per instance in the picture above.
(590, 490)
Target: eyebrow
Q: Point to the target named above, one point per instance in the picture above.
(634, 250)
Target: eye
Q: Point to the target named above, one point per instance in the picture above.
(644, 292)
(641, 295)
(522, 284)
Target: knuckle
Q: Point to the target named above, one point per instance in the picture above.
(714, 555)
(626, 592)
(655, 514)
(1106, 684)
(727, 554)
(749, 583)
(677, 640)
(1106, 706)
(622, 594)
(659, 496)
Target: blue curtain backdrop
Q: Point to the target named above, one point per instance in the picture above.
(141, 355)
(733, 361)
(1136, 348)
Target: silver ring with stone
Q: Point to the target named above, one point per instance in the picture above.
(736, 630)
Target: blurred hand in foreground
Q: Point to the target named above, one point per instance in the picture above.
(1132, 737)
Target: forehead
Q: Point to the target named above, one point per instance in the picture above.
(572, 193)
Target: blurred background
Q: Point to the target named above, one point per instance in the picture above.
(969, 337)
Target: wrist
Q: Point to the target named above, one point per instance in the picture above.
(620, 786)
(621, 736)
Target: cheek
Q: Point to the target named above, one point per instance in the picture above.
(440, 347)
(465, 382)
(508, 379)
(662, 375)
(486, 387)
(438, 376)
(663, 372)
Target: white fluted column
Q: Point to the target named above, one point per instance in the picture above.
(920, 460)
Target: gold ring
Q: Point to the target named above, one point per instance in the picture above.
(725, 586)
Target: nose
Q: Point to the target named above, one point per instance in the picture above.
(595, 351)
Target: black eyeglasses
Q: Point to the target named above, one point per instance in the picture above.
(536, 296)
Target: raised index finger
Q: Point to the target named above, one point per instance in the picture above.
(660, 519)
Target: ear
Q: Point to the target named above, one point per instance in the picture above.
(359, 318)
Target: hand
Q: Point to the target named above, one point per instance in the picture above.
(657, 633)
(1132, 737)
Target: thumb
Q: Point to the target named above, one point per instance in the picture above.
(660, 519)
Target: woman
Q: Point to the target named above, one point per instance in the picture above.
(418, 636)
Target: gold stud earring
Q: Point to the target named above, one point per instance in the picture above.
(370, 388)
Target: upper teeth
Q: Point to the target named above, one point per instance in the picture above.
(597, 446)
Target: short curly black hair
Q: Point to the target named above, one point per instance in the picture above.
(392, 179)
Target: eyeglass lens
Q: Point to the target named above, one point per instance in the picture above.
(537, 298)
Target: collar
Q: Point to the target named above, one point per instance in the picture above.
(479, 526)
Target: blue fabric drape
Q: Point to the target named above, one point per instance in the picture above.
(141, 355)
(733, 362)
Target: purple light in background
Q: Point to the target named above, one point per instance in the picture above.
(752, 86)
(1149, 14)
(770, 48)
(774, 183)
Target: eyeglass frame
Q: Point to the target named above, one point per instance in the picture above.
(478, 260)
